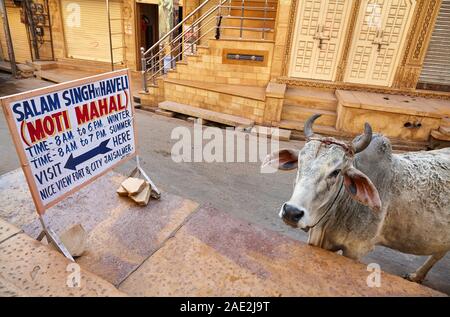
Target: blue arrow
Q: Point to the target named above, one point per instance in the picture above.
(72, 162)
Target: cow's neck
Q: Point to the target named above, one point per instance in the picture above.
(348, 221)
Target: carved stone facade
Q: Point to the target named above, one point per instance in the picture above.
(411, 58)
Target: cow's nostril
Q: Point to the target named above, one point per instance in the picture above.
(292, 213)
(298, 215)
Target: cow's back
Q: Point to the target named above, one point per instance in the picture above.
(418, 211)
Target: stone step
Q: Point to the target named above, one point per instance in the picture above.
(247, 34)
(86, 65)
(437, 134)
(250, 92)
(253, 2)
(206, 114)
(296, 113)
(57, 76)
(252, 13)
(321, 129)
(445, 122)
(43, 65)
(324, 99)
(444, 130)
(255, 23)
(203, 49)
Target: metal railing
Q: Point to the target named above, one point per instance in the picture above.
(183, 38)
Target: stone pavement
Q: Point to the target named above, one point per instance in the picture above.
(171, 247)
(121, 235)
(29, 268)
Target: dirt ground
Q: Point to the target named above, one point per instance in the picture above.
(237, 188)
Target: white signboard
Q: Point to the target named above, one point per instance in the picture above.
(66, 135)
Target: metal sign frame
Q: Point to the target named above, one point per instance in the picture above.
(25, 164)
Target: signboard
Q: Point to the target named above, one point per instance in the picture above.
(68, 134)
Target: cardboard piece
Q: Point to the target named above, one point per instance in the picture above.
(136, 189)
(75, 240)
(122, 191)
(143, 197)
(133, 185)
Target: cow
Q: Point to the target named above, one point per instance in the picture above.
(350, 197)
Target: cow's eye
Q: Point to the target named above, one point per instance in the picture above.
(335, 173)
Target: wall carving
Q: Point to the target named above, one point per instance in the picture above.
(291, 26)
(358, 87)
(426, 28)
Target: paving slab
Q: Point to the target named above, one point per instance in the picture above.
(7, 230)
(29, 268)
(214, 254)
(121, 235)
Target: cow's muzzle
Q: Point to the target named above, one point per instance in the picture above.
(291, 214)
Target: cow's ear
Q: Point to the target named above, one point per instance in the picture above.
(361, 188)
(285, 159)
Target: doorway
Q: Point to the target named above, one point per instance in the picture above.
(378, 40)
(147, 27)
(319, 38)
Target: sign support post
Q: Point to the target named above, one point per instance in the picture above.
(52, 237)
(68, 135)
(155, 193)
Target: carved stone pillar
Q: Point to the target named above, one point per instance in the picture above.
(284, 28)
(348, 41)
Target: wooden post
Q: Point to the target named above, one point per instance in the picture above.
(110, 35)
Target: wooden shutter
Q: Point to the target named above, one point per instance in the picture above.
(436, 68)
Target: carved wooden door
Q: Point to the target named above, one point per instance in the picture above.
(320, 30)
(378, 41)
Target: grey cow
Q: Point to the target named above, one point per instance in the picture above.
(351, 197)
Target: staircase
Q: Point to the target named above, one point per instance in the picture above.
(254, 19)
(201, 75)
(241, 20)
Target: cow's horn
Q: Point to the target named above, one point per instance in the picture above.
(365, 140)
(307, 130)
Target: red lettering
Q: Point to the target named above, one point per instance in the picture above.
(119, 101)
(82, 114)
(47, 126)
(112, 104)
(94, 111)
(36, 131)
(103, 106)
